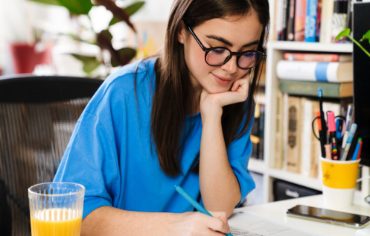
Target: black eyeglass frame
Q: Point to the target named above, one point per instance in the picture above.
(259, 55)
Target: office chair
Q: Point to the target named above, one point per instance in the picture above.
(37, 117)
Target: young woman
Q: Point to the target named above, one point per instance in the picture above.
(181, 119)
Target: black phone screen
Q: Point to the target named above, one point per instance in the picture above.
(329, 215)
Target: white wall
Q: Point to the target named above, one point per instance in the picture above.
(154, 10)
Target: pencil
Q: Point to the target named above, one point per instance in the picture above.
(194, 203)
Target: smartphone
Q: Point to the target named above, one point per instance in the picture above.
(329, 216)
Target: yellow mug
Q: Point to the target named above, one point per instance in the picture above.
(338, 182)
(339, 174)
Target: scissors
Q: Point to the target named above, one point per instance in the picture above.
(339, 125)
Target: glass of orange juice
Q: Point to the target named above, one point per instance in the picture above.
(56, 208)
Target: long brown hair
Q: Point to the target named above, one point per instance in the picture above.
(173, 95)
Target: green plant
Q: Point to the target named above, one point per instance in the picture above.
(346, 33)
(103, 39)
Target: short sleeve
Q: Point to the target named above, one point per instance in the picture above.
(239, 152)
(91, 155)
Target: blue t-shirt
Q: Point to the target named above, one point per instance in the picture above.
(112, 153)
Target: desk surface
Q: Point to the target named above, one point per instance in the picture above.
(275, 212)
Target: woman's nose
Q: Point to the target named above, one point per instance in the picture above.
(231, 66)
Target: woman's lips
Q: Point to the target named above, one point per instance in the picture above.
(222, 80)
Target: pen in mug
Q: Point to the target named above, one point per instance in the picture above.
(321, 135)
(349, 141)
(327, 151)
(339, 126)
(332, 139)
(347, 125)
(322, 115)
(357, 150)
(194, 203)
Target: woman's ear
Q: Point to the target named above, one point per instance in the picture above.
(181, 33)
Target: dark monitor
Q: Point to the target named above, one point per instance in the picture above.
(361, 70)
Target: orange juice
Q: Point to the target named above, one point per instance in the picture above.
(56, 222)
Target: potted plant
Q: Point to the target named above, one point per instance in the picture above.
(346, 33)
(109, 55)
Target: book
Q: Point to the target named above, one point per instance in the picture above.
(315, 71)
(339, 18)
(315, 145)
(257, 133)
(281, 16)
(318, 20)
(311, 21)
(278, 162)
(309, 88)
(317, 57)
(310, 146)
(315, 155)
(300, 20)
(306, 135)
(290, 22)
(293, 152)
(326, 21)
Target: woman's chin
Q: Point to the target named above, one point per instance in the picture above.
(217, 90)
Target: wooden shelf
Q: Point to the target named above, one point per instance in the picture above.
(311, 47)
(258, 166)
(296, 178)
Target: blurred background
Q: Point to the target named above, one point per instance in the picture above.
(78, 38)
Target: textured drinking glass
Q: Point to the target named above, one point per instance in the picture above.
(56, 209)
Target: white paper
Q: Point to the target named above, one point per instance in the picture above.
(257, 226)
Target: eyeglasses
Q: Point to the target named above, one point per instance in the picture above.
(218, 56)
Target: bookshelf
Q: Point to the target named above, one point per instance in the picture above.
(275, 50)
(264, 167)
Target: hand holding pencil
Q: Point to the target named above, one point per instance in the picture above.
(201, 209)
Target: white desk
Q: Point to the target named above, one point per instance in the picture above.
(275, 212)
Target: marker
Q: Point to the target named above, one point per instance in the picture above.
(322, 115)
(332, 140)
(194, 203)
(357, 150)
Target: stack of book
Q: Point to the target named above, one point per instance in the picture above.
(303, 73)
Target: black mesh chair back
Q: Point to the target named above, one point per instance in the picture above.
(37, 117)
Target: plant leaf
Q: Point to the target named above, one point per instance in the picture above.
(366, 36)
(104, 39)
(90, 63)
(344, 33)
(79, 7)
(130, 10)
(125, 55)
(48, 2)
(134, 7)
